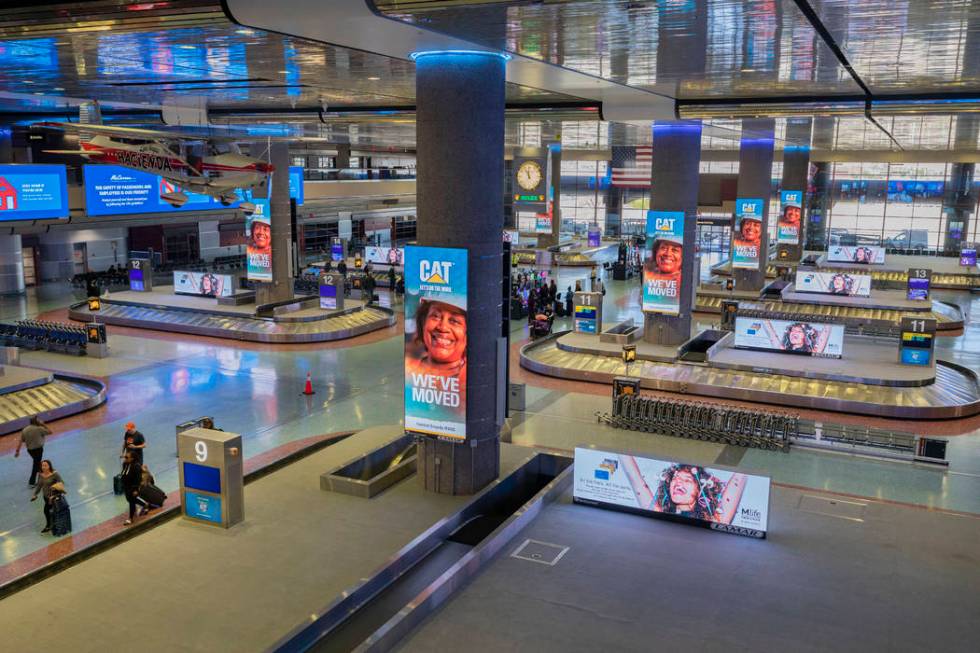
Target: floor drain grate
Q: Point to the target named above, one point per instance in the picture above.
(543, 552)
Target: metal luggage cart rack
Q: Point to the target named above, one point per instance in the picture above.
(698, 420)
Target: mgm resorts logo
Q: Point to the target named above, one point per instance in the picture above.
(435, 273)
(738, 530)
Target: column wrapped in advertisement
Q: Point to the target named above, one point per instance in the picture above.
(662, 272)
(258, 231)
(435, 341)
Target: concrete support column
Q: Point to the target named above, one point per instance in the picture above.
(281, 287)
(755, 181)
(11, 265)
(460, 136)
(818, 207)
(796, 170)
(343, 157)
(960, 200)
(675, 173)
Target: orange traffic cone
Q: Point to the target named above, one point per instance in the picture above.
(308, 390)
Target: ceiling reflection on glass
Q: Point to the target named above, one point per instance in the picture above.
(908, 45)
(229, 64)
(682, 48)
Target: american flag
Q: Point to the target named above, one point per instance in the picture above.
(631, 166)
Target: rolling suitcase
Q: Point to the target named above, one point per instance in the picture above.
(60, 516)
(153, 495)
(117, 487)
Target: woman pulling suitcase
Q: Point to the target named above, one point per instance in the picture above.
(51, 487)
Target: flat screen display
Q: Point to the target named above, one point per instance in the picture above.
(336, 251)
(747, 233)
(436, 332)
(136, 280)
(860, 254)
(719, 499)
(115, 190)
(296, 190)
(258, 242)
(385, 255)
(662, 265)
(791, 217)
(206, 284)
(328, 297)
(585, 319)
(595, 237)
(201, 477)
(918, 289)
(33, 192)
(202, 506)
(916, 348)
(804, 338)
(542, 223)
(833, 283)
(968, 258)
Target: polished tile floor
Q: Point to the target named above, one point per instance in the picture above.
(159, 380)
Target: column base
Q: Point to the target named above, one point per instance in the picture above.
(458, 468)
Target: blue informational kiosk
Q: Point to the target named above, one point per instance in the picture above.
(212, 481)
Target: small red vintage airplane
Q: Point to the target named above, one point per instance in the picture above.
(220, 175)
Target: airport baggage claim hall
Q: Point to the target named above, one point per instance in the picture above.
(489, 325)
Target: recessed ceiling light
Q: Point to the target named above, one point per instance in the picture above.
(57, 88)
(374, 79)
(283, 72)
(27, 81)
(187, 47)
(38, 93)
(245, 32)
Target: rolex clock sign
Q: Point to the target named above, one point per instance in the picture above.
(530, 183)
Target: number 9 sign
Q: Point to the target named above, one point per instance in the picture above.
(201, 451)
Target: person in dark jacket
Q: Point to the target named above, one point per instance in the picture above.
(342, 267)
(49, 485)
(132, 478)
(569, 298)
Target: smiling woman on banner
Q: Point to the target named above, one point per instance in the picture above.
(440, 340)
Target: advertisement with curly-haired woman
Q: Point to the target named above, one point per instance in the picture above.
(682, 490)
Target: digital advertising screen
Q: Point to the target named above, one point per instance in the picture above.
(115, 190)
(833, 283)
(202, 506)
(585, 319)
(328, 297)
(202, 477)
(789, 225)
(435, 341)
(296, 190)
(719, 499)
(205, 284)
(662, 269)
(33, 192)
(542, 223)
(258, 237)
(595, 237)
(336, 250)
(860, 254)
(916, 348)
(968, 258)
(136, 281)
(917, 287)
(512, 236)
(806, 338)
(747, 233)
(385, 255)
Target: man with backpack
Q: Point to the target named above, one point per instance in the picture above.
(33, 438)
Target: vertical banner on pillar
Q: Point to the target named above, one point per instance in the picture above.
(435, 341)
(789, 227)
(662, 272)
(747, 233)
(258, 251)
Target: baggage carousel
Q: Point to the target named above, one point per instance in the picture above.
(289, 328)
(25, 392)
(947, 274)
(948, 316)
(954, 392)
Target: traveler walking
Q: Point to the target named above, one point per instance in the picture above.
(49, 485)
(133, 442)
(32, 437)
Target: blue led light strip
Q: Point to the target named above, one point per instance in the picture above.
(414, 56)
